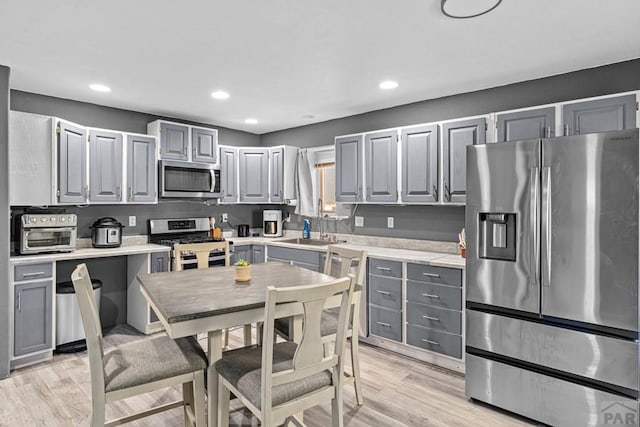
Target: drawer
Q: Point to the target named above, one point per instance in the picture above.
(434, 317)
(385, 292)
(300, 255)
(33, 271)
(385, 323)
(438, 341)
(441, 296)
(436, 275)
(383, 267)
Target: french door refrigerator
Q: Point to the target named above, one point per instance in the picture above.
(552, 277)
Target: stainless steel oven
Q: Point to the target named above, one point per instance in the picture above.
(41, 233)
(189, 179)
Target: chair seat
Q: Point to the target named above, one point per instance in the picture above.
(151, 360)
(242, 368)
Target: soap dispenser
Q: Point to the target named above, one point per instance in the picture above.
(306, 229)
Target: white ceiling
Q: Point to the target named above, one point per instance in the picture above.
(283, 59)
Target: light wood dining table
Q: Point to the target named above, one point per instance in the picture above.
(209, 300)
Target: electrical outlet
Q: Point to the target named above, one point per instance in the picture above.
(225, 218)
(288, 219)
(389, 222)
(359, 221)
(132, 221)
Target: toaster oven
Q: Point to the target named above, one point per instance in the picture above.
(40, 233)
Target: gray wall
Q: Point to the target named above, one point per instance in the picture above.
(4, 220)
(444, 223)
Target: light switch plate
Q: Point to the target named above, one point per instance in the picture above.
(389, 222)
(132, 221)
(225, 218)
(359, 221)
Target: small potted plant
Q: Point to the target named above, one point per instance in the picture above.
(243, 270)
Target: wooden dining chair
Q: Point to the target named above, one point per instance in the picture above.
(139, 367)
(339, 263)
(202, 251)
(275, 381)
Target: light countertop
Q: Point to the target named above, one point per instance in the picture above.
(91, 253)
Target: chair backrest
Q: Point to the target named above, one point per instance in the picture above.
(309, 358)
(343, 261)
(201, 251)
(91, 325)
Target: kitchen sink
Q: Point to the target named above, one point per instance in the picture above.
(312, 242)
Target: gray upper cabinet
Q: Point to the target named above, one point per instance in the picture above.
(228, 174)
(381, 166)
(599, 115)
(349, 168)
(420, 164)
(456, 136)
(174, 141)
(254, 175)
(204, 145)
(142, 169)
(277, 175)
(32, 317)
(105, 166)
(529, 124)
(72, 163)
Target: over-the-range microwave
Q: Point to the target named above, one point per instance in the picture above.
(189, 179)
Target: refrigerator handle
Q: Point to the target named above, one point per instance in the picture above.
(546, 226)
(534, 225)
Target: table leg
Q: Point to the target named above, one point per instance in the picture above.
(247, 335)
(215, 353)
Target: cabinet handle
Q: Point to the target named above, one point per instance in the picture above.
(431, 296)
(368, 192)
(19, 302)
(130, 193)
(435, 192)
(359, 193)
(430, 342)
(34, 274)
(383, 324)
(383, 268)
(566, 130)
(547, 132)
(431, 274)
(384, 292)
(447, 193)
(435, 319)
(119, 193)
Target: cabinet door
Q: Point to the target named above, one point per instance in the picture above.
(277, 175)
(257, 254)
(456, 136)
(530, 124)
(349, 169)
(72, 163)
(228, 174)
(381, 166)
(254, 175)
(420, 164)
(159, 262)
(142, 169)
(600, 115)
(204, 145)
(242, 252)
(174, 141)
(105, 166)
(33, 319)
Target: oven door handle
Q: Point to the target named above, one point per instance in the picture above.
(213, 180)
(45, 229)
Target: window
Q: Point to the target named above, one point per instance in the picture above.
(327, 187)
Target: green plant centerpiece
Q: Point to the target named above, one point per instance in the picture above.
(243, 270)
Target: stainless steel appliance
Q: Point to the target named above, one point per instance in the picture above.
(106, 233)
(47, 232)
(272, 220)
(552, 277)
(185, 230)
(189, 179)
(243, 230)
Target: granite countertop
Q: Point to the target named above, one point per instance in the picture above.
(83, 253)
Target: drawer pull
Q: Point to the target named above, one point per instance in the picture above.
(383, 268)
(431, 274)
(431, 296)
(383, 324)
(384, 292)
(34, 274)
(430, 342)
(435, 319)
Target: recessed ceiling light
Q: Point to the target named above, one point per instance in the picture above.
(220, 94)
(308, 116)
(388, 84)
(251, 121)
(99, 87)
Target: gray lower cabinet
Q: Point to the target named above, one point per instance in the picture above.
(159, 263)
(381, 166)
(349, 168)
(242, 252)
(204, 145)
(528, 124)
(72, 163)
(174, 141)
(419, 164)
(105, 166)
(254, 175)
(228, 174)
(456, 136)
(599, 115)
(257, 254)
(384, 290)
(142, 169)
(299, 257)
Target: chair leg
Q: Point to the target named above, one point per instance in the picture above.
(98, 411)
(223, 404)
(355, 368)
(259, 331)
(247, 334)
(187, 396)
(226, 339)
(198, 399)
(337, 408)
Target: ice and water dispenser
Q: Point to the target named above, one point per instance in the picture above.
(497, 236)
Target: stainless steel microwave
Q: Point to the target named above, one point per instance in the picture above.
(189, 179)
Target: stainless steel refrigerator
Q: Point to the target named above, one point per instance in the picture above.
(552, 278)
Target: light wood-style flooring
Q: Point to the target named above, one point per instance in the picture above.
(398, 392)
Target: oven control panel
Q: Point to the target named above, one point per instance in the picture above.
(48, 220)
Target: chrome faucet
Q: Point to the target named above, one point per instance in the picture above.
(323, 235)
